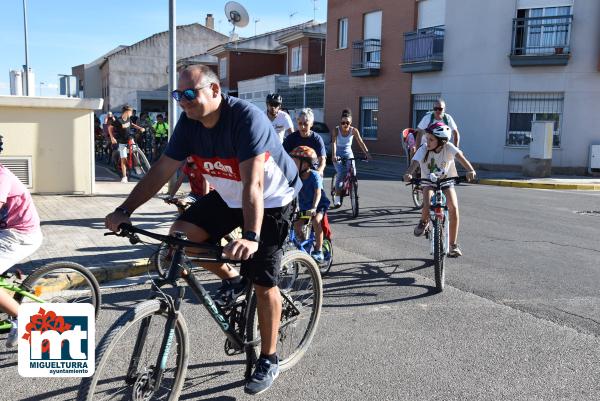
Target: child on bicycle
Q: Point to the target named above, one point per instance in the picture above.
(436, 160)
(20, 235)
(312, 197)
(198, 184)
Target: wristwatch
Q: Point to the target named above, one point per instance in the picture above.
(251, 236)
(124, 211)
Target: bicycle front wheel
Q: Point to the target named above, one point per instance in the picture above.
(126, 358)
(417, 196)
(302, 297)
(354, 197)
(439, 254)
(62, 282)
(327, 257)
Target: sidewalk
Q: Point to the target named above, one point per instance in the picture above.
(73, 228)
(394, 168)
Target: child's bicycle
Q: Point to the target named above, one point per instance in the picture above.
(349, 186)
(408, 146)
(54, 282)
(306, 242)
(144, 355)
(438, 229)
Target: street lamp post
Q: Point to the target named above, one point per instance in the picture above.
(26, 72)
(172, 76)
(41, 83)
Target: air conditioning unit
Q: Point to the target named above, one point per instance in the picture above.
(19, 166)
(594, 162)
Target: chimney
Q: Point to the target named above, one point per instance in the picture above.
(210, 21)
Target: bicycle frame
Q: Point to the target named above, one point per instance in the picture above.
(438, 210)
(307, 244)
(177, 270)
(16, 288)
(350, 176)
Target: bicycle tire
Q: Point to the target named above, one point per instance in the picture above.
(354, 197)
(305, 269)
(146, 309)
(328, 255)
(417, 196)
(161, 259)
(333, 178)
(57, 289)
(439, 255)
(141, 160)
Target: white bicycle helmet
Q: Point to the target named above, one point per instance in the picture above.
(440, 130)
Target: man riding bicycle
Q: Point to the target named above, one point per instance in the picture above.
(20, 235)
(120, 134)
(255, 183)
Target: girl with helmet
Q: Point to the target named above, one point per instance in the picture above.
(311, 197)
(436, 160)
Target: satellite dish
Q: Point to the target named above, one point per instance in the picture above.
(236, 14)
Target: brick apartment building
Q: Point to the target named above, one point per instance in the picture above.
(295, 50)
(364, 52)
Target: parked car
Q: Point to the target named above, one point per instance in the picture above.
(323, 130)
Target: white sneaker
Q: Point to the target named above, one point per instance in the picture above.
(13, 335)
(124, 179)
(336, 201)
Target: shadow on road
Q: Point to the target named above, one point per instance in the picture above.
(382, 216)
(362, 280)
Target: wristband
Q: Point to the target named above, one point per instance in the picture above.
(124, 211)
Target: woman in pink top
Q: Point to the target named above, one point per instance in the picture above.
(20, 233)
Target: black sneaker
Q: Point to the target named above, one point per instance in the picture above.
(263, 377)
(420, 228)
(229, 292)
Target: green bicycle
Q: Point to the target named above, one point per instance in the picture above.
(55, 282)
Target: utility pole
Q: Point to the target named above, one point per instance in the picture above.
(26, 66)
(172, 76)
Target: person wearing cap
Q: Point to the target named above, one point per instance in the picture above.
(119, 134)
(281, 121)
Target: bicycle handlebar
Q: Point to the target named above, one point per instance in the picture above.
(129, 231)
(439, 182)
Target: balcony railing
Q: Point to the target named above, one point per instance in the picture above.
(366, 58)
(424, 50)
(541, 40)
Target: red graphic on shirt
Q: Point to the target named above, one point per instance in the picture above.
(219, 167)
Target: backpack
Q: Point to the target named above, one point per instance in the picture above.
(432, 118)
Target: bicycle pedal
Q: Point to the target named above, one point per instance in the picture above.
(230, 350)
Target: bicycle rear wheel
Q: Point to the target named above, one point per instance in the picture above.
(121, 375)
(354, 197)
(302, 297)
(140, 162)
(417, 196)
(62, 282)
(439, 254)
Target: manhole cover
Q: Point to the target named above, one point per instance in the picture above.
(589, 212)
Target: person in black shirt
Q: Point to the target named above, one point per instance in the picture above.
(120, 133)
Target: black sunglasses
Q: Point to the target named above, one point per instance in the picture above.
(438, 108)
(189, 94)
(345, 123)
(274, 104)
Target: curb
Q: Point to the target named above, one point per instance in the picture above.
(133, 268)
(540, 185)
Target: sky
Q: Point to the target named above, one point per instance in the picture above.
(66, 33)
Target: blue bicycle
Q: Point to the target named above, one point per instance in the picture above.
(305, 241)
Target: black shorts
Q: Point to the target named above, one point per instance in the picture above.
(212, 214)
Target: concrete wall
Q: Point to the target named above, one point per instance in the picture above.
(57, 133)
(143, 66)
(477, 77)
(391, 86)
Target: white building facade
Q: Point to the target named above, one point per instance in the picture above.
(500, 65)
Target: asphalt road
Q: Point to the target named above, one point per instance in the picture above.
(520, 319)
